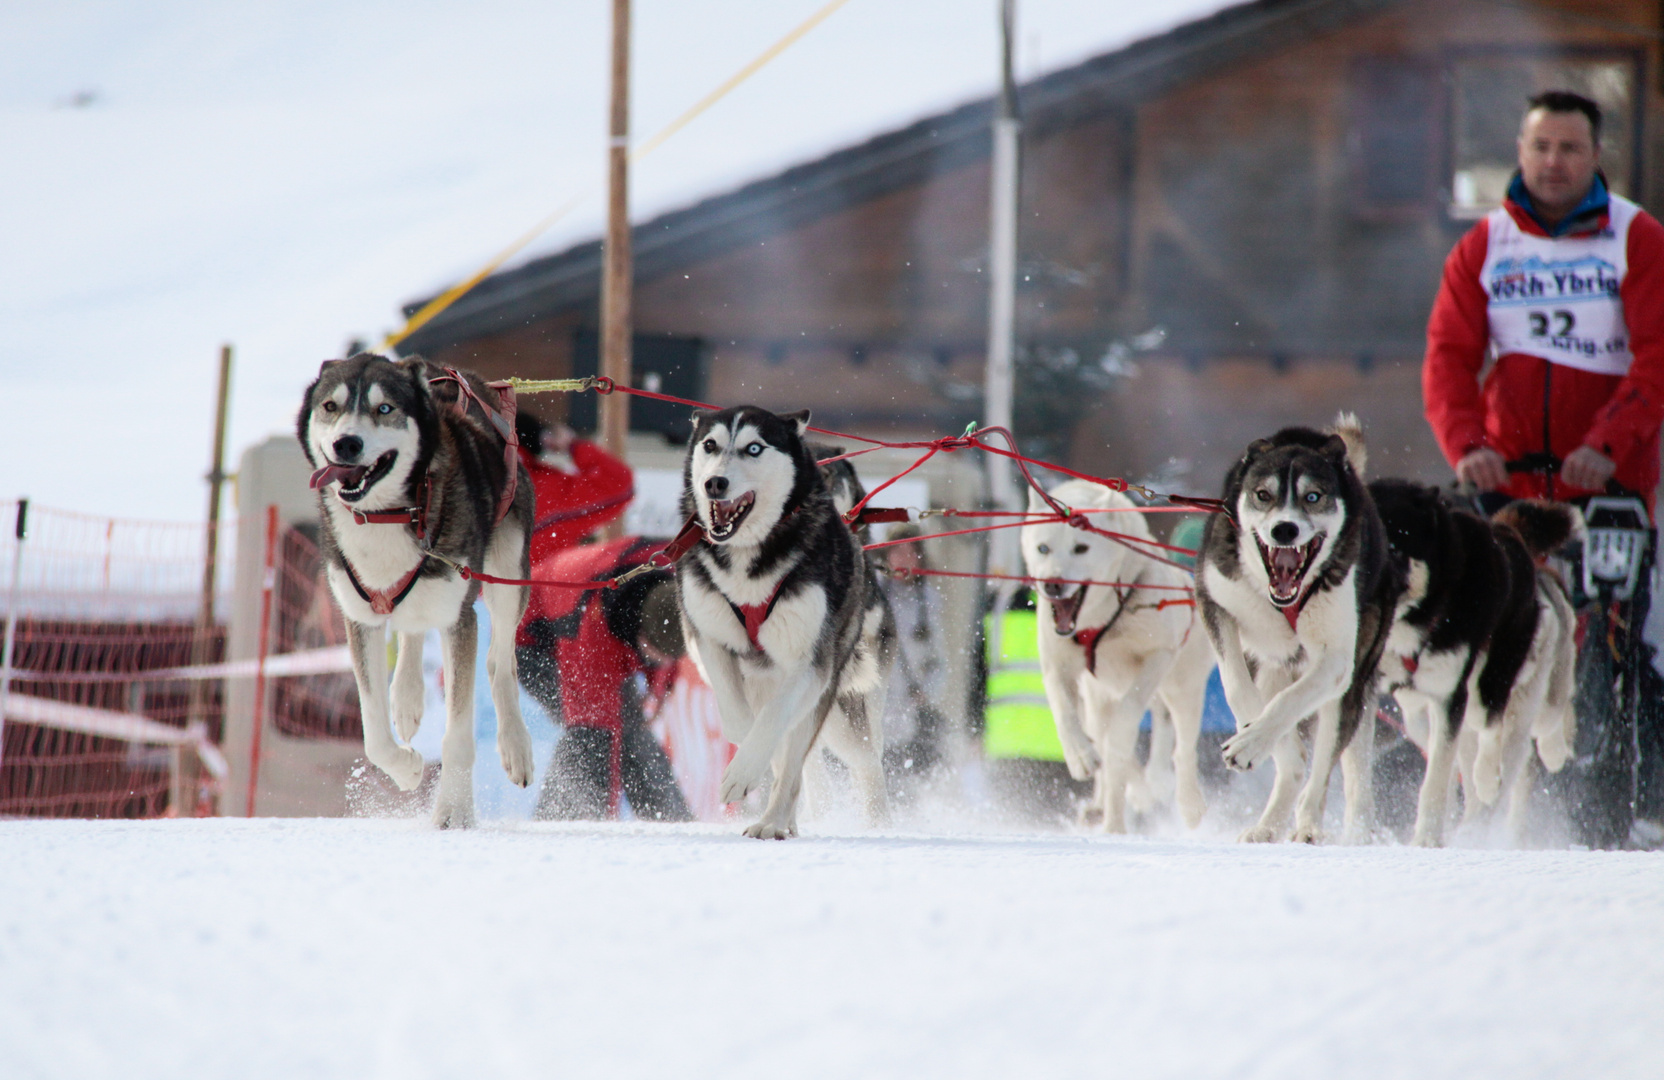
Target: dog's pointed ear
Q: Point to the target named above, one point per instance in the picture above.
(323, 367)
(800, 419)
(1256, 448)
(1036, 505)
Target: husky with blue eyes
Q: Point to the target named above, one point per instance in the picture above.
(418, 475)
(1297, 589)
(776, 597)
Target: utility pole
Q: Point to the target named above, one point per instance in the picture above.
(202, 639)
(1002, 286)
(617, 269)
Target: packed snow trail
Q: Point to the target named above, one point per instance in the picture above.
(363, 948)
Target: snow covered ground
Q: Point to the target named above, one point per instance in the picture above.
(378, 948)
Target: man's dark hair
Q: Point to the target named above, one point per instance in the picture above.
(1564, 101)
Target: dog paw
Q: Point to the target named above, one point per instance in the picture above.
(1306, 834)
(738, 782)
(404, 767)
(1248, 747)
(767, 830)
(1428, 838)
(1139, 795)
(1091, 817)
(454, 812)
(1083, 761)
(516, 751)
(1259, 834)
(407, 713)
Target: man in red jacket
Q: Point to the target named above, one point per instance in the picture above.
(1564, 286)
(580, 487)
(591, 658)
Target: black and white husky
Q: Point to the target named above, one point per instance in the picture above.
(1479, 644)
(1109, 653)
(1297, 590)
(416, 476)
(776, 595)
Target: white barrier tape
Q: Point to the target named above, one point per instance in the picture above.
(108, 724)
(308, 662)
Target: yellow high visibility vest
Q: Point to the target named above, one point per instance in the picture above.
(1018, 721)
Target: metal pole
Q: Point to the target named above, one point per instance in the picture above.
(617, 270)
(22, 530)
(202, 638)
(268, 585)
(1002, 285)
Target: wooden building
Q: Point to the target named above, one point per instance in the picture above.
(1262, 198)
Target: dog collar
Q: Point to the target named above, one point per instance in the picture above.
(401, 515)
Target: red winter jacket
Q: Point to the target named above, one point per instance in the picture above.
(1528, 405)
(593, 661)
(570, 506)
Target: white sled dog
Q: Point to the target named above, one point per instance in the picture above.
(776, 598)
(1110, 653)
(1297, 590)
(417, 474)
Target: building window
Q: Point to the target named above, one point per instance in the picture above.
(1393, 143)
(1488, 94)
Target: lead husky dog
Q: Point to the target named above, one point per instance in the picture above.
(1297, 591)
(417, 475)
(1111, 653)
(777, 599)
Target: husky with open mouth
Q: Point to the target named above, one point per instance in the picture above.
(1110, 651)
(1297, 590)
(776, 595)
(417, 474)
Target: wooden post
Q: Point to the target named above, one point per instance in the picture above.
(617, 268)
(179, 790)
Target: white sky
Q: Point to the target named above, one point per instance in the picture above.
(283, 175)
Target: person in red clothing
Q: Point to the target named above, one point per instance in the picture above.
(591, 657)
(580, 487)
(1564, 287)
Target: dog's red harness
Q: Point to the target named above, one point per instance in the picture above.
(1088, 639)
(755, 615)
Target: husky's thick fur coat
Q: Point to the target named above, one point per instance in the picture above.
(1479, 651)
(1107, 654)
(1461, 629)
(404, 440)
(1297, 590)
(777, 600)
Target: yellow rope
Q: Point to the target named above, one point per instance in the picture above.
(450, 296)
(549, 386)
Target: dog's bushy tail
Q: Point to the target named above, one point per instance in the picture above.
(1544, 526)
(1346, 425)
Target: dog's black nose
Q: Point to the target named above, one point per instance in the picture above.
(1284, 532)
(348, 447)
(716, 487)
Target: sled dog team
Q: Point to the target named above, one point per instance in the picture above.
(1315, 592)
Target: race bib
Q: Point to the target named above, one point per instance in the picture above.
(1559, 299)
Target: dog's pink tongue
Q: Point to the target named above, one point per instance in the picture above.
(327, 475)
(1285, 569)
(1065, 611)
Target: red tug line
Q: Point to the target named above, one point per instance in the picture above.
(860, 514)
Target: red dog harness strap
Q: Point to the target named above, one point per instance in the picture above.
(501, 418)
(1088, 639)
(755, 615)
(401, 515)
(383, 601)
